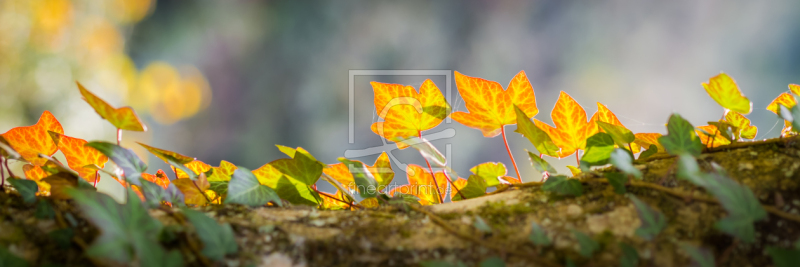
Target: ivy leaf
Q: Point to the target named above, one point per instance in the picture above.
(617, 180)
(598, 149)
(6, 151)
(791, 115)
(26, 188)
(621, 135)
(405, 112)
(422, 185)
(742, 124)
(490, 172)
(540, 139)
(381, 172)
(681, 137)
(652, 150)
(123, 118)
(472, 187)
(711, 136)
(587, 244)
(218, 240)
(701, 257)
(540, 164)
(131, 165)
(302, 168)
(571, 123)
(723, 89)
(490, 107)
(45, 211)
(30, 141)
(79, 156)
(153, 193)
(630, 257)
(245, 189)
(607, 117)
(538, 236)
(194, 191)
(61, 181)
(784, 99)
(562, 185)
(296, 192)
(574, 170)
(648, 139)
(174, 159)
(8, 259)
(365, 183)
(782, 257)
(160, 178)
(438, 263)
(653, 222)
(622, 159)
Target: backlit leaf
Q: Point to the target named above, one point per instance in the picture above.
(193, 190)
(78, 155)
(195, 166)
(647, 139)
(574, 170)
(177, 160)
(223, 172)
(296, 192)
(723, 89)
(36, 173)
(61, 182)
(381, 171)
(711, 137)
(598, 149)
(604, 115)
(123, 118)
(425, 148)
(302, 168)
(622, 159)
(30, 141)
(421, 184)
(126, 159)
(490, 172)
(160, 178)
(6, 151)
(681, 138)
(472, 187)
(538, 138)
(540, 164)
(218, 240)
(621, 135)
(562, 185)
(742, 124)
(364, 182)
(784, 99)
(407, 113)
(26, 188)
(653, 221)
(490, 107)
(570, 132)
(649, 152)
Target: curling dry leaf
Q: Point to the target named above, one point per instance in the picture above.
(742, 124)
(123, 118)
(79, 156)
(723, 89)
(490, 107)
(571, 125)
(405, 112)
(421, 185)
(381, 171)
(30, 141)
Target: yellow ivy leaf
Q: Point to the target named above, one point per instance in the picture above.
(123, 118)
(191, 194)
(723, 89)
(742, 124)
(715, 140)
(490, 107)
(785, 99)
(575, 170)
(405, 112)
(381, 171)
(571, 125)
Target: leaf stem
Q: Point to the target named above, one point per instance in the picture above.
(513, 162)
(435, 183)
(458, 191)
(119, 136)
(8, 169)
(201, 191)
(96, 178)
(630, 147)
(2, 175)
(577, 157)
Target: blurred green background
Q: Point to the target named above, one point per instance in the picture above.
(229, 79)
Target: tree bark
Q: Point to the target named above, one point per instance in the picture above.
(406, 235)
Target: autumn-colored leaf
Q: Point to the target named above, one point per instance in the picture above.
(574, 170)
(196, 166)
(742, 124)
(785, 99)
(381, 171)
(472, 187)
(603, 114)
(167, 155)
(405, 112)
(723, 89)
(30, 141)
(490, 107)
(223, 172)
(36, 173)
(302, 168)
(369, 203)
(715, 139)
(647, 139)
(333, 204)
(160, 178)
(123, 118)
(190, 191)
(79, 156)
(491, 172)
(571, 125)
(421, 185)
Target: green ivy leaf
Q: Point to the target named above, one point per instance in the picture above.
(630, 257)
(218, 240)
(782, 257)
(219, 187)
(538, 236)
(617, 180)
(476, 186)
(245, 189)
(562, 185)
(726, 130)
(156, 255)
(621, 135)
(653, 222)
(598, 149)
(294, 192)
(623, 160)
(26, 188)
(132, 166)
(587, 244)
(681, 138)
(8, 259)
(366, 184)
(44, 210)
(492, 261)
(539, 138)
(700, 257)
(652, 150)
(540, 164)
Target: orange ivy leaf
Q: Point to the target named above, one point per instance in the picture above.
(647, 139)
(160, 178)
(196, 166)
(795, 88)
(167, 155)
(36, 173)
(381, 171)
(715, 140)
(405, 112)
(742, 124)
(190, 192)
(490, 107)
(302, 167)
(30, 141)
(571, 125)
(604, 114)
(79, 156)
(723, 89)
(421, 185)
(123, 118)
(333, 204)
(785, 99)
